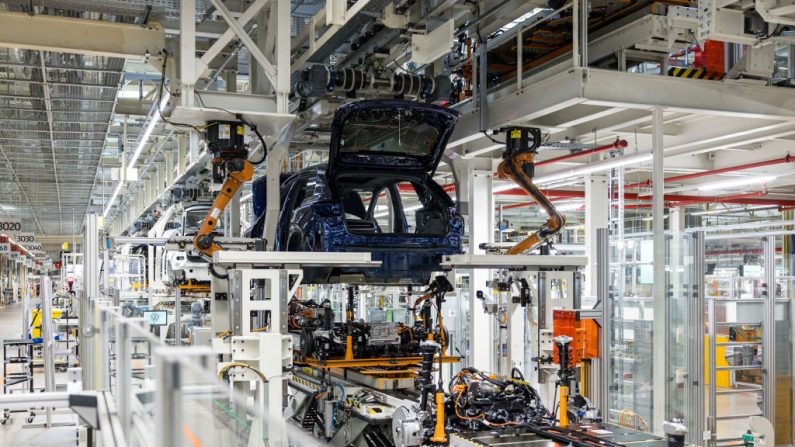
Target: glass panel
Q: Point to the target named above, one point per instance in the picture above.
(681, 278)
(631, 388)
(735, 281)
(783, 349)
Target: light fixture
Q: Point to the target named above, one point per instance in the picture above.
(737, 209)
(138, 150)
(148, 131)
(112, 198)
(745, 181)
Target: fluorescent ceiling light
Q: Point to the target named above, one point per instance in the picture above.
(736, 209)
(148, 131)
(649, 219)
(745, 181)
(112, 199)
(570, 206)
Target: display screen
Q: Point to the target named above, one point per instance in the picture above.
(155, 317)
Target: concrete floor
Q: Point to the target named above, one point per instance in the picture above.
(15, 432)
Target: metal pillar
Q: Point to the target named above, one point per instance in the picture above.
(597, 204)
(272, 207)
(602, 266)
(48, 338)
(660, 333)
(88, 355)
(769, 329)
(187, 49)
(177, 316)
(480, 221)
(91, 257)
(696, 371)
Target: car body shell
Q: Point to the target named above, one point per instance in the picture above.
(312, 216)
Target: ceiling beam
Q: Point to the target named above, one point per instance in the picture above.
(68, 35)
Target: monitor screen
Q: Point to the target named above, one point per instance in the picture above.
(155, 317)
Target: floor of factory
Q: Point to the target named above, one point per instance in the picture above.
(15, 432)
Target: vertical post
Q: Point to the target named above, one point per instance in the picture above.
(123, 378)
(481, 230)
(282, 50)
(659, 335)
(597, 205)
(91, 258)
(47, 339)
(104, 351)
(583, 18)
(712, 422)
(177, 316)
(602, 267)
(88, 355)
(106, 268)
(272, 206)
(187, 50)
(575, 33)
(769, 330)
(519, 58)
(696, 367)
(483, 91)
(168, 404)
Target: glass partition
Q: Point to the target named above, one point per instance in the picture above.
(174, 396)
(630, 373)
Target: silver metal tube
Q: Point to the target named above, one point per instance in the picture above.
(696, 367)
(660, 324)
(177, 316)
(519, 61)
(769, 329)
(575, 32)
(603, 296)
(25, 401)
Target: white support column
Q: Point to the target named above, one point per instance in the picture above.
(272, 171)
(480, 222)
(282, 50)
(91, 257)
(597, 205)
(660, 326)
(187, 51)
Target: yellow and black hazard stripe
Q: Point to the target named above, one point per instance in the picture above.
(694, 73)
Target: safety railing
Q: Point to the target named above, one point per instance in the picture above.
(172, 396)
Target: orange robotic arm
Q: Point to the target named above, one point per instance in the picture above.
(518, 166)
(239, 172)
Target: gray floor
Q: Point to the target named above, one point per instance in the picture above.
(14, 432)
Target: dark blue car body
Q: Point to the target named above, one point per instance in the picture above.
(335, 207)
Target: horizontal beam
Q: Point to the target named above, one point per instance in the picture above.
(67, 35)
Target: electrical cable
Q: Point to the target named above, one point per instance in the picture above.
(229, 366)
(217, 275)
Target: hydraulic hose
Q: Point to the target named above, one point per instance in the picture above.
(519, 168)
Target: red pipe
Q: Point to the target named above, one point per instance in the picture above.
(671, 198)
(758, 164)
(722, 199)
